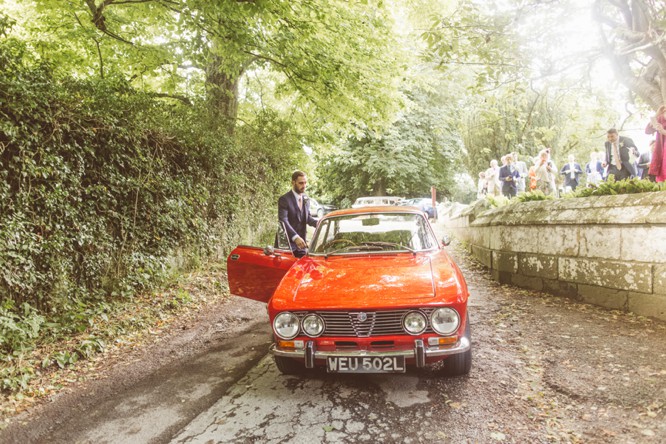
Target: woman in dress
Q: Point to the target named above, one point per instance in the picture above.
(658, 164)
(492, 178)
(593, 170)
(544, 173)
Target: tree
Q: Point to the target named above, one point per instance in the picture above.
(335, 56)
(634, 40)
(417, 151)
(528, 81)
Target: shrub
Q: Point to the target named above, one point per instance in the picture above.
(626, 186)
(102, 186)
(532, 196)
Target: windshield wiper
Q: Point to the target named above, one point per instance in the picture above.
(329, 253)
(390, 244)
(366, 248)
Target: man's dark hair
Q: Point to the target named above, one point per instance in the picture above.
(296, 175)
(611, 131)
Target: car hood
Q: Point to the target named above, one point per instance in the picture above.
(363, 282)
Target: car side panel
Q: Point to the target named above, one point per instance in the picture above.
(254, 275)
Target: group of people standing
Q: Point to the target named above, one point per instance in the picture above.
(620, 158)
(511, 178)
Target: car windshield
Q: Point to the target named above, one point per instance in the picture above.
(373, 233)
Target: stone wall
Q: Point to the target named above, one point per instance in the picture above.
(608, 251)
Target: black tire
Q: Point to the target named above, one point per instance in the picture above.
(289, 366)
(460, 364)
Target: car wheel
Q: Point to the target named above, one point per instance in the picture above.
(289, 366)
(320, 212)
(460, 364)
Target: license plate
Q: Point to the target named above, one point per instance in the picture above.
(365, 364)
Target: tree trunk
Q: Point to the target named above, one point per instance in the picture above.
(380, 188)
(222, 93)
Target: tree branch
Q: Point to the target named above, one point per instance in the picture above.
(101, 60)
(181, 98)
(99, 20)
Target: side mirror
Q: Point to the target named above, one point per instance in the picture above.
(270, 251)
(446, 240)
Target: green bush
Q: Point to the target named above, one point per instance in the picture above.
(18, 328)
(532, 196)
(612, 187)
(102, 187)
(497, 201)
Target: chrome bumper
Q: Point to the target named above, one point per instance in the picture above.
(419, 353)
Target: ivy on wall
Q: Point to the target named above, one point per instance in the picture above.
(101, 186)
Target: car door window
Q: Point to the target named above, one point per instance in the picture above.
(281, 239)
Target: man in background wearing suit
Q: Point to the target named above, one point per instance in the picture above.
(294, 213)
(617, 155)
(571, 172)
(644, 161)
(508, 176)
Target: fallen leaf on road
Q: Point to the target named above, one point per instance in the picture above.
(497, 436)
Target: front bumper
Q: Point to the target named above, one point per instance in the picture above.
(419, 353)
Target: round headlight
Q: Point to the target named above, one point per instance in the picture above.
(445, 321)
(286, 325)
(313, 325)
(414, 322)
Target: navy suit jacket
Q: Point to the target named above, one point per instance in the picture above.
(568, 181)
(295, 221)
(624, 144)
(505, 172)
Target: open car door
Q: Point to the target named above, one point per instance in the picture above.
(255, 273)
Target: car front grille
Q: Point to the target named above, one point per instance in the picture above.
(365, 324)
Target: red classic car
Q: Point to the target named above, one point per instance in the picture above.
(375, 293)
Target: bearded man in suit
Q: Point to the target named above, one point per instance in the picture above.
(617, 155)
(294, 213)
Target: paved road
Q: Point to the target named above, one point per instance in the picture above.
(545, 369)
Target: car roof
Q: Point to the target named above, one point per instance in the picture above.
(375, 209)
(378, 197)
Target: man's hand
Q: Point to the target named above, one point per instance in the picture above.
(300, 243)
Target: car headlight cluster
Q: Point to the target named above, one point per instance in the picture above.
(287, 325)
(444, 321)
(313, 325)
(415, 322)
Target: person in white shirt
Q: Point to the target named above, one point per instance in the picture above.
(482, 186)
(594, 170)
(492, 177)
(571, 172)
